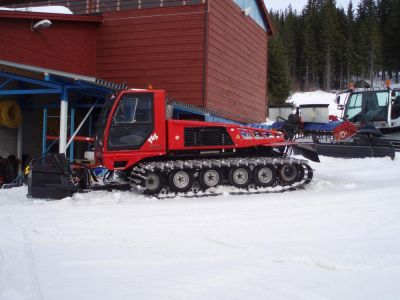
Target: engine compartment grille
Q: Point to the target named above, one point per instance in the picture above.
(207, 136)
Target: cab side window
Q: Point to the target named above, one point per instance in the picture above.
(132, 123)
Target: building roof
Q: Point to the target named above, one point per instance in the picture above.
(268, 19)
(52, 16)
(42, 73)
(78, 17)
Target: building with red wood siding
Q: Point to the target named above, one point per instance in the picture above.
(207, 53)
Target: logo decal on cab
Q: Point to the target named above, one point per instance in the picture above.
(152, 138)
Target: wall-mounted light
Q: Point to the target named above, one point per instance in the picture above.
(247, 11)
(41, 24)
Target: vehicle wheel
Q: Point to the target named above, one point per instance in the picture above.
(209, 178)
(264, 175)
(154, 182)
(287, 174)
(240, 177)
(180, 180)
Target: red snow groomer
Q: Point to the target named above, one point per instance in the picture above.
(137, 139)
(159, 153)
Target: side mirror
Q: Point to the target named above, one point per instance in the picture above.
(338, 99)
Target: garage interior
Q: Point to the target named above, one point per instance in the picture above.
(48, 112)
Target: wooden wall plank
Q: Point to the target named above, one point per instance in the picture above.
(237, 63)
(164, 47)
(68, 46)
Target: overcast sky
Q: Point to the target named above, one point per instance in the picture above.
(299, 4)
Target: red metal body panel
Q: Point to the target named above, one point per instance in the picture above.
(242, 136)
(168, 136)
(68, 45)
(344, 130)
(153, 147)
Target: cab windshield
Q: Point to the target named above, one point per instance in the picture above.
(367, 106)
(132, 122)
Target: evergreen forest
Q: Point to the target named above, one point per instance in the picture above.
(327, 47)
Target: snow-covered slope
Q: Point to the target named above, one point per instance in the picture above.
(337, 239)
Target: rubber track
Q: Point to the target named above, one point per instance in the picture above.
(138, 174)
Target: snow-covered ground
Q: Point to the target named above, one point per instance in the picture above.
(337, 239)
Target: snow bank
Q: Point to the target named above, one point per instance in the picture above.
(337, 239)
(55, 9)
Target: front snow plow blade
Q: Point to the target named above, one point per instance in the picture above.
(349, 142)
(358, 146)
(50, 177)
(337, 139)
(307, 151)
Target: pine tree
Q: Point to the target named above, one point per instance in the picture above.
(369, 41)
(341, 47)
(349, 56)
(329, 38)
(326, 46)
(389, 11)
(278, 77)
(290, 39)
(309, 50)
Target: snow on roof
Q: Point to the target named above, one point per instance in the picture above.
(316, 97)
(56, 9)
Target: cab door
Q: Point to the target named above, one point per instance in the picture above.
(132, 122)
(135, 129)
(395, 110)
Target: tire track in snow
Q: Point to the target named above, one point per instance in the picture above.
(2, 267)
(221, 243)
(310, 261)
(36, 290)
(3, 279)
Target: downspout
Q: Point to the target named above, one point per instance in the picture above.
(205, 64)
(266, 84)
(63, 121)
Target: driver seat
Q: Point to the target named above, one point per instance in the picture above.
(370, 102)
(396, 108)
